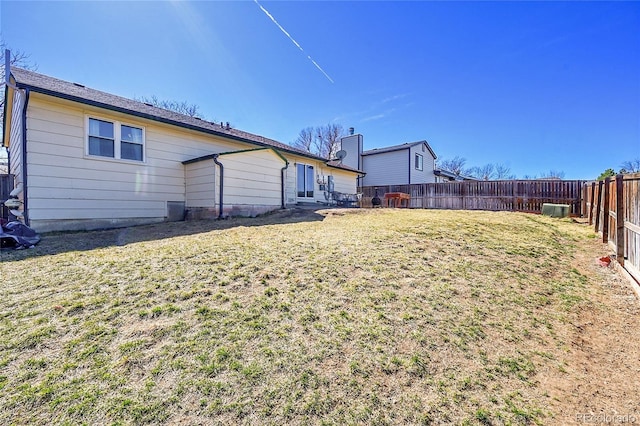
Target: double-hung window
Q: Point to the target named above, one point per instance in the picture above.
(418, 162)
(101, 138)
(113, 139)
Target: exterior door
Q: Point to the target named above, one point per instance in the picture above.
(305, 177)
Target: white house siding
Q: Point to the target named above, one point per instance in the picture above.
(252, 182)
(71, 190)
(386, 168)
(426, 174)
(200, 189)
(343, 181)
(15, 139)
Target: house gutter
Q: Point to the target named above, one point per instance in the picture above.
(409, 165)
(215, 160)
(5, 122)
(156, 118)
(25, 187)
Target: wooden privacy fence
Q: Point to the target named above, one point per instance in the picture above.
(507, 195)
(613, 207)
(6, 185)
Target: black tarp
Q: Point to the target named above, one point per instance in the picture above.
(17, 235)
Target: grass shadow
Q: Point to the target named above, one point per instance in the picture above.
(61, 242)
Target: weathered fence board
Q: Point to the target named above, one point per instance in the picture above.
(617, 217)
(509, 195)
(6, 185)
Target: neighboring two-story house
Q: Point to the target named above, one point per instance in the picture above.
(404, 164)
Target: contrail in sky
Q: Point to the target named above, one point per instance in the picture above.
(266, 12)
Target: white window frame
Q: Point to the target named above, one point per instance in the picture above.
(117, 139)
(306, 167)
(421, 162)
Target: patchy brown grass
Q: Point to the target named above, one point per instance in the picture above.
(372, 317)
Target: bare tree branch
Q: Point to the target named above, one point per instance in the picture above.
(305, 139)
(630, 166)
(455, 166)
(503, 172)
(180, 107)
(18, 58)
(323, 141)
(331, 134)
(485, 172)
(552, 174)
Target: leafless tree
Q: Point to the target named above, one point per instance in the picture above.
(552, 174)
(305, 140)
(630, 166)
(330, 135)
(492, 172)
(503, 172)
(323, 141)
(18, 58)
(455, 166)
(485, 172)
(180, 107)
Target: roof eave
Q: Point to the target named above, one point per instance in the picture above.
(360, 172)
(384, 151)
(7, 114)
(156, 118)
(433, 154)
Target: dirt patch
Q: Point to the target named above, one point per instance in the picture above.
(602, 380)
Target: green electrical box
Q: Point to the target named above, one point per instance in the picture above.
(555, 210)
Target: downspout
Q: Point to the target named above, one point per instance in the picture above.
(359, 179)
(215, 160)
(286, 165)
(25, 187)
(409, 165)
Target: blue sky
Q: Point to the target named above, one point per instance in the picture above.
(537, 86)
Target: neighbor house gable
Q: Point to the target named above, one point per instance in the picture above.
(408, 145)
(403, 164)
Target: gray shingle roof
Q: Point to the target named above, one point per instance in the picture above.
(398, 148)
(446, 173)
(338, 165)
(76, 92)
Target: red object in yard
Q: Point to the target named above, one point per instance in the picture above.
(604, 261)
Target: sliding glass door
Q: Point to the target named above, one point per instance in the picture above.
(305, 177)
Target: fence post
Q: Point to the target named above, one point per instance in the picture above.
(463, 194)
(599, 205)
(620, 219)
(605, 212)
(591, 202)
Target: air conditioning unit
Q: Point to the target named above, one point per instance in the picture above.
(555, 210)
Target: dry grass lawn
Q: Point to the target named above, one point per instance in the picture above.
(366, 317)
